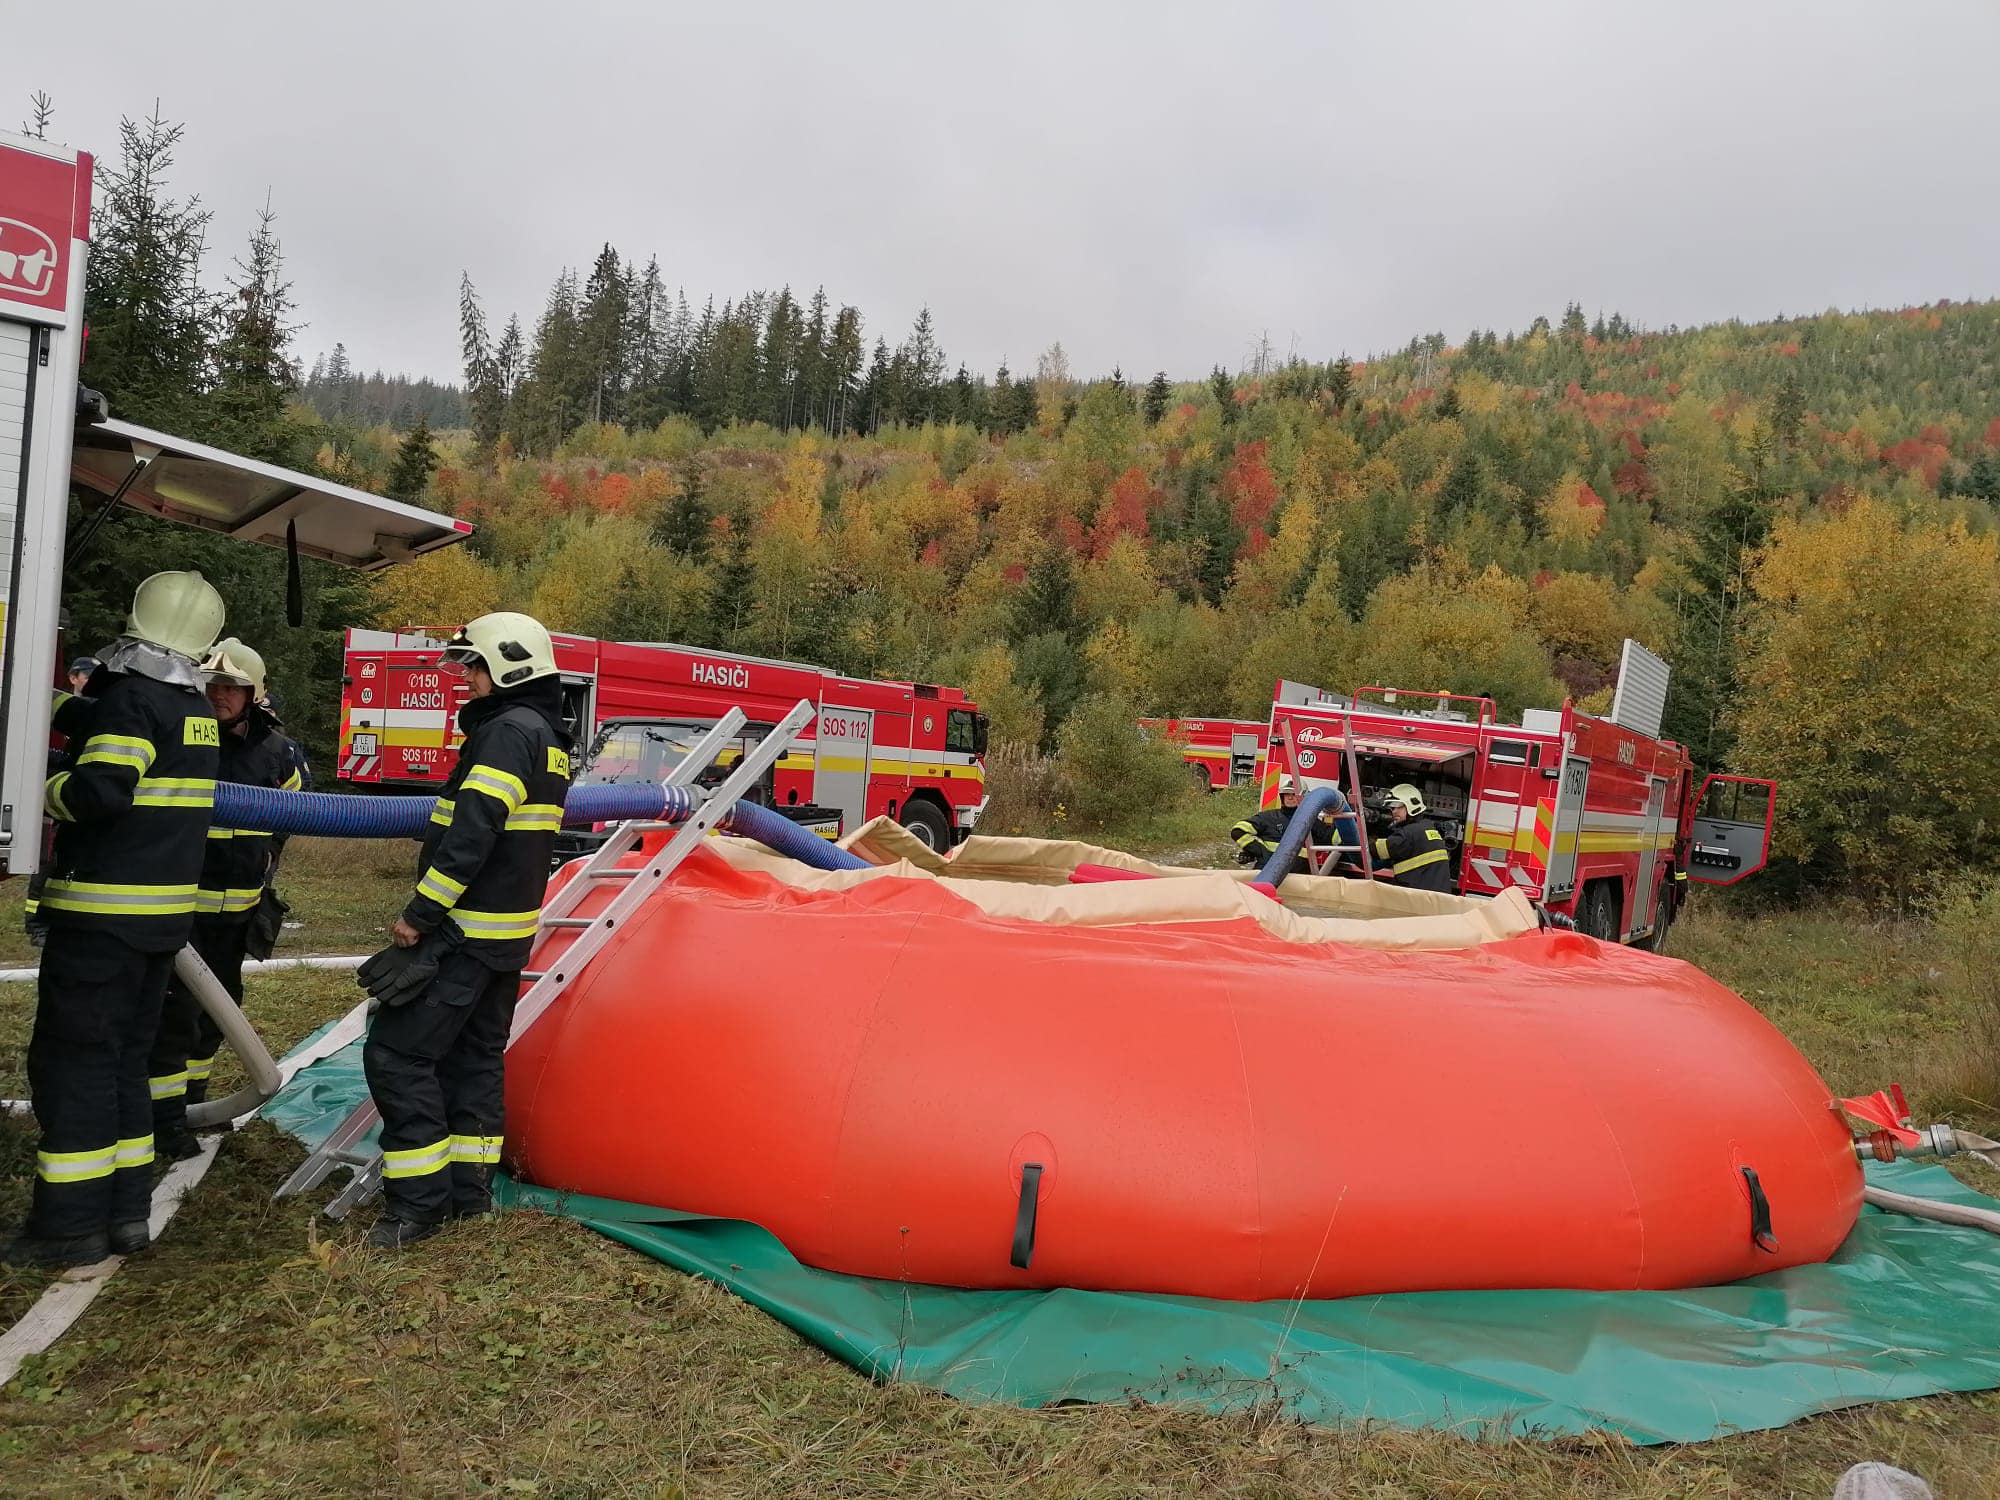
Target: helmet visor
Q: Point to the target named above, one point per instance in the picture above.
(459, 659)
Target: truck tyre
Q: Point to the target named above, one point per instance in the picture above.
(928, 824)
(1663, 920)
(1200, 774)
(1597, 915)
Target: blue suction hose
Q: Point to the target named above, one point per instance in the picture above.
(1347, 829)
(325, 815)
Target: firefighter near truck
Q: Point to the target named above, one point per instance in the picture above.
(911, 751)
(1599, 820)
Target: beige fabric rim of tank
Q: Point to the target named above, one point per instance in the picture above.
(1027, 879)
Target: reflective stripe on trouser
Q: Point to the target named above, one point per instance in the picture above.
(435, 1068)
(97, 1006)
(187, 1039)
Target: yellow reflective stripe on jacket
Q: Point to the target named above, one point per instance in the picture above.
(498, 925)
(75, 1166)
(292, 782)
(442, 812)
(1418, 861)
(1381, 848)
(419, 1162)
(481, 1149)
(52, 794)
(136, 1152)
(221, 833)
(118, 900)
(534, 817)
(56, 703)
(118, 750)
(168, 1085)
(208, 903)
(174, 791)
(1246, 834)
(441, 888)
(503, 786)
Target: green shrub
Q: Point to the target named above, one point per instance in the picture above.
(1109, 770)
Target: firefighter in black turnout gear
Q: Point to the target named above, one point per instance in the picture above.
(436, 1049)
(238, 866)
(1414, 849)
(1257, 836)
(132, 800)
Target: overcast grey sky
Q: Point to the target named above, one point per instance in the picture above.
(1153, 184)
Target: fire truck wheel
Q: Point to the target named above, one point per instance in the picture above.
(928, 824)
(1598, 915)
(1200, 774)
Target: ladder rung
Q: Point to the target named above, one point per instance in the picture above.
(531, 976)
(567, 921)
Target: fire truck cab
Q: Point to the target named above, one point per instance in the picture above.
(1597, 819)
(56, 440)
(911, 751)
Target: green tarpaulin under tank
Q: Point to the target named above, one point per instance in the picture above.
(1907, 1308)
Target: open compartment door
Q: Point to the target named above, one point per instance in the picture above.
(252, 501)
(1729, 837)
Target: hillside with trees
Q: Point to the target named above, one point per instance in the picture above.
(1799, 514)
(1793, 513)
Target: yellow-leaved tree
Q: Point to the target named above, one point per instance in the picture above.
(442, 589)
(1870, 695)
(1420, 633)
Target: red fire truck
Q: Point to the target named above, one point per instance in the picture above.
(1222, 752)
(1595, 818)
(906, 750)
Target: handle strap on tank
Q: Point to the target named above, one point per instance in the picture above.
(1024, 1216)
(1760, 1213)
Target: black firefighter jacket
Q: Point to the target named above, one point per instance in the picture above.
(131, 797)
(485, 862)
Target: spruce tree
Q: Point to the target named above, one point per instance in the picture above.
(1788, 409)
(485, 401)
(150, 322)
(602, 326)
(1159, 394)
(415, 460)
(1340, 382)
(1224, 389)
(254, 377)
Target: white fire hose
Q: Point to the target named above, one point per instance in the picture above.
(239, 1033)
(1943, 1141)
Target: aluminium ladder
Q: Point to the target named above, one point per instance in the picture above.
(551, 973)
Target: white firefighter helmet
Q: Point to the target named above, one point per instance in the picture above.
(233, 662)
(180, 611)
(1411, 800)
(1287, 787)
(514, 648)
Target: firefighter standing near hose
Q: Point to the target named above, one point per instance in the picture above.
(132, 800)
(235, 873)
(1256, 837)
(435, 1052)
(1414, 848)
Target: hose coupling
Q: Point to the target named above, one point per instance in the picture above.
(1933, 1141)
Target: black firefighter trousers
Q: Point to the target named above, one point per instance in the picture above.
(435, 1067)
(97, 1009)
(184, 1049)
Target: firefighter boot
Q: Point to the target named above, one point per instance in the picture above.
(131, 1237)
(394, 1233)
(76, 1250)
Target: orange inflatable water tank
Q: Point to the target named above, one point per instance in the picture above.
(865, 1065)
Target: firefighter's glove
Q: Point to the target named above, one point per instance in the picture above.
(396, 976)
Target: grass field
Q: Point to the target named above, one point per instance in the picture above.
(258, 1350)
